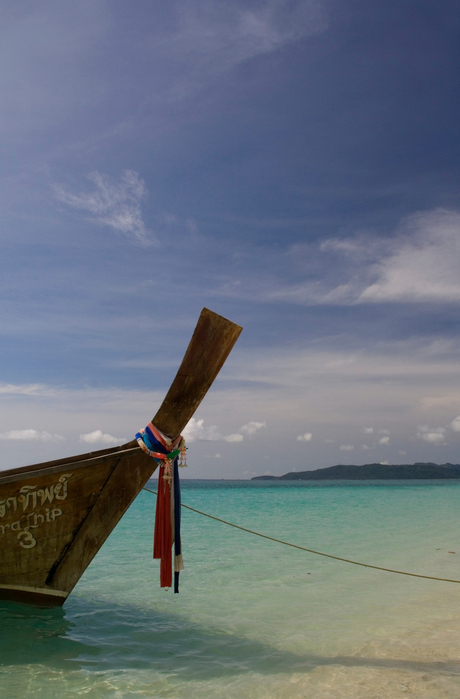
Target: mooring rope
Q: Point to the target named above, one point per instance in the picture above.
(317, 553)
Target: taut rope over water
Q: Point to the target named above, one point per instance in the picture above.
(317, 553)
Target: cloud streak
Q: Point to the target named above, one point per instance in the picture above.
(213, 38)
(34, 389)
(112, 204)
(416, 264)
(197, 431)
(424, 264)
(31, 435)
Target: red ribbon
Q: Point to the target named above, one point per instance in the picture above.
(162, 540)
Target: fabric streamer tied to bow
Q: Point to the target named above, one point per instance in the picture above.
(168, 509)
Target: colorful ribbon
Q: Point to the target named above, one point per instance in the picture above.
(167, 515)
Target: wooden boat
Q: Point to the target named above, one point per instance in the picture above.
(55, 516)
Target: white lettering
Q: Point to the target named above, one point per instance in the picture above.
(31, 498)
(27, 539)
(28, 491)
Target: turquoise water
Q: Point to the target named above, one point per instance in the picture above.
(255, 619)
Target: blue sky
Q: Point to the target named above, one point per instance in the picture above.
(292, 165)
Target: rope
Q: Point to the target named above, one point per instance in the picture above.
(317, 553)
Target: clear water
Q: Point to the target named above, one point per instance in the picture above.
(255, 619)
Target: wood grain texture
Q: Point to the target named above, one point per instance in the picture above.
(49, 547)
(209, 347)
(124, 484)
(37, 522)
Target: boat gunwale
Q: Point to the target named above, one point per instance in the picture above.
(74, 462)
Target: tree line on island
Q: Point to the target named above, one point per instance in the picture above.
(366, 472)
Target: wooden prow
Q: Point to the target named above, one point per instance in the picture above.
(43, 555)
(209, 347)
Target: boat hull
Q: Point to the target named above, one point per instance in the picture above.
(54, 517)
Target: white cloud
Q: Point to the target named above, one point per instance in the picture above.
(455, 424)
(384, 463)
(270, 26)
(368, 430)
(251, 428)
(417, 263)
(234, 438)
(305, 437)
(384, 440)
(384, 431)
(117, 205)
(347, 447)
(364, 446)
(423, 265)
(32, 389)
(98, 437)
(214, 37)
(217, 456)
(432, 435)
(31, 435)
(196, 431)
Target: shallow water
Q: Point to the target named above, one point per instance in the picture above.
(254, 618)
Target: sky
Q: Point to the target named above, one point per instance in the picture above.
(293, 165)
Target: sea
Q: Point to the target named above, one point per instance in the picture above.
(256, 619)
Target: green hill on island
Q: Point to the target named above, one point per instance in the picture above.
(372, 472)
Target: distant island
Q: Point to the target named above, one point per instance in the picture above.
(375, 472)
